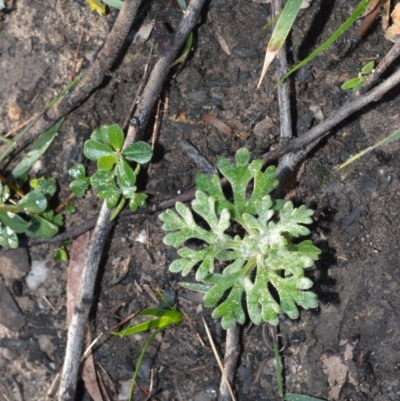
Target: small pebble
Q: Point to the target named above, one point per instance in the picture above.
(369, 184)
(200, 96)
(11, 51)
(37, 275)
(208, 394)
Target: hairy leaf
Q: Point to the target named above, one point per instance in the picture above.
(245, 255)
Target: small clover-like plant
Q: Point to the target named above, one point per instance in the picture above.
(355, 83)
(30, 215)
(115, 179)
(250, 249)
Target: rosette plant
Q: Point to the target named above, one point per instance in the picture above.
(249, 249)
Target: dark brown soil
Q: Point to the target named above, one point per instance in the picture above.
(357, 224)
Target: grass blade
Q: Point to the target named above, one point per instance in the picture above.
(350, 21)
(390, 138)
(38, 149)
(300, 397)
(281, 31)
(113, 3)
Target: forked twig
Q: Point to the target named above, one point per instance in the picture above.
(309, 140)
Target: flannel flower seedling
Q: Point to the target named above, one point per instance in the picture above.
(264, 263)
(115, 179)
(355, 83)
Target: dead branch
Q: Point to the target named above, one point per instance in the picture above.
(77, 327)
(284, 108)
(322, 129)
(232, 352)
(161, 69)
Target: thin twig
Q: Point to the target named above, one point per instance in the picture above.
(89, 348)
(73, 70)
(217, 357)
(390, 56)
(24, 124)
(321, 130)
(284, 108)
(283, 88)
(96, 73)
(230, 360)
(139, 90)
(161, 69)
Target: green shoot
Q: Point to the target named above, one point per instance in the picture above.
(263, 256)
(355, 83)
(60, 254)
(162, 320)
(114, 179)
(186, 50)
(189, 40)
(279, 378)
(388, 139)
(347, 24)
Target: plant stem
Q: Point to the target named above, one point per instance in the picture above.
(139, 362)
(249, 266)
(119, 207)
(278, 370)
(10, 208)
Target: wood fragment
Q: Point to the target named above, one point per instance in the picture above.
(217, 123)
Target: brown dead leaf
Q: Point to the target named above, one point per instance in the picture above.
(371, 7)
(75, 267)
(369, 19)
(336, 371)
(89, 372)
(393, 32)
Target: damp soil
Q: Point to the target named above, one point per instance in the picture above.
(356, 220)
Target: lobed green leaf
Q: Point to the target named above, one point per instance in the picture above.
(261, 257)
(137, 200)
(101, 135)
